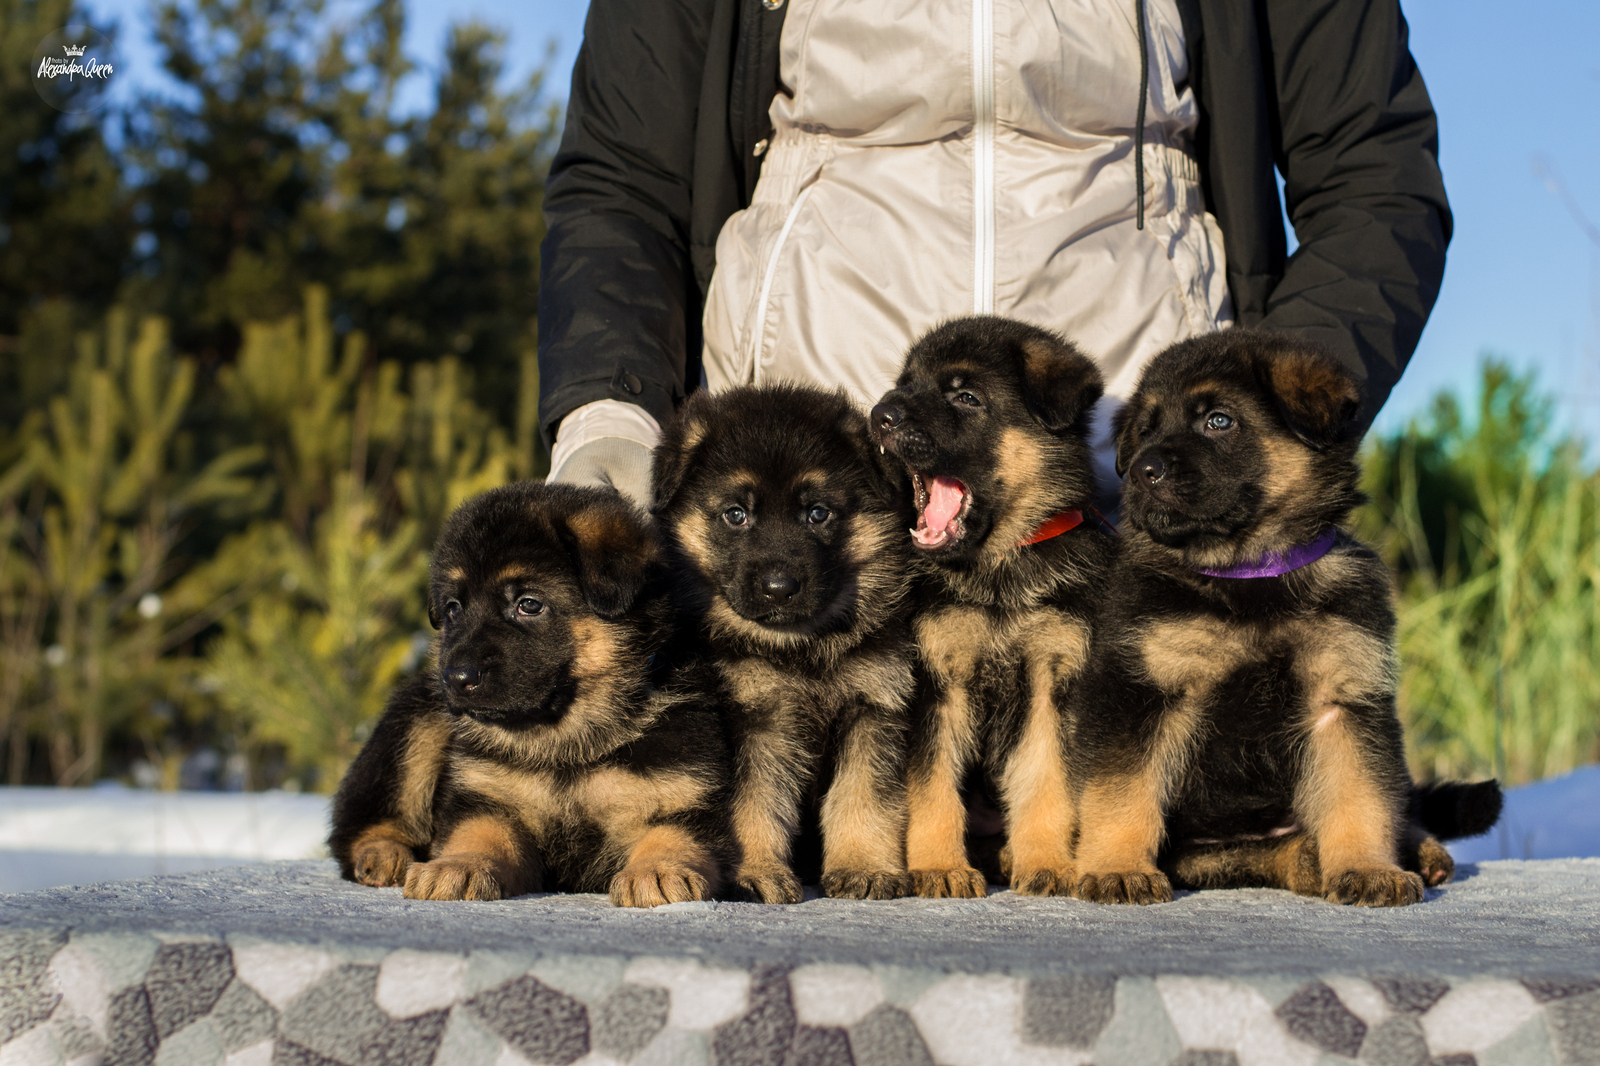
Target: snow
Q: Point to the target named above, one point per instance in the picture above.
(52, 836)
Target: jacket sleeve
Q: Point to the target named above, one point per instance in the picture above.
(1357, 143)
(617, 291)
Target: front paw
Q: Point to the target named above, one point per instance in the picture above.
(1142, 886)
(657, 885)
(961, 883)
(453, 877)
(1373, 886)
(381, 863)
(770, 884)
(1437, 866)
(1044, 881)
(866, 884)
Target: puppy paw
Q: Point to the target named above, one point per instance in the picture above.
(866, 884)
(656, 885)
(1148, 886)
(381, 863)
(1043, 881)
(1373, 886)
(770, 884)
(1437, 866)
(962, 883)
(453, 877)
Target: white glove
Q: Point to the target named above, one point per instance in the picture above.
(612, 462)
(606, 443)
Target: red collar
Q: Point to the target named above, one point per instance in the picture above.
(1054, 526)
(1064, 521)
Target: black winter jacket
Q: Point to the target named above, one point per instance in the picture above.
(669, 103)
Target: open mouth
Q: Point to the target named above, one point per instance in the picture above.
(942, 506)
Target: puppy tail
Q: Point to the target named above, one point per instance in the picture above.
(1451, 810)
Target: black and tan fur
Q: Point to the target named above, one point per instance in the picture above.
(1003, 629)
(790, 560)
(1243, 731)
(561, 743)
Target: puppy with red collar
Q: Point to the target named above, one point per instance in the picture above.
(989, 417)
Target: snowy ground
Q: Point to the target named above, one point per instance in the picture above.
(51, 837)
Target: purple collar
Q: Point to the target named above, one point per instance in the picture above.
(1276, 564)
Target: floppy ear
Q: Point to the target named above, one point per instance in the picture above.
(1316, 396)
(679, 439)
(1126, 433)
(614, 550)
(1060, 383)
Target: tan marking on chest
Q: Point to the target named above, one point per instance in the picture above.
(954, 640)
(884, 680)
(755, 683)
(1196, 654)
(1054, 645)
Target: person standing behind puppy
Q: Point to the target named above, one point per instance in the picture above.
(753, 190)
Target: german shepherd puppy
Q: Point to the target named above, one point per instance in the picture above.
(560, 743)
(989, 418)
(791, 562)
(1238, 724)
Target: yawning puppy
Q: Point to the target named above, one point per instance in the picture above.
(791, 562)
(989, 417)
(1240, 712)
(562, 742)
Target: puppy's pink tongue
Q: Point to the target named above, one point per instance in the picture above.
(944, 500)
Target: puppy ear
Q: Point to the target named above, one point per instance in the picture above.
(679, 439)
(1316, 396)
(1060, 383)
(614, 550)
(1125, 430)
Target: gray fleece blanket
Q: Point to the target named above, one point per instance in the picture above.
(285, 963)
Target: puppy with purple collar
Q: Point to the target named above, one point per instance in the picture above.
(1237, 723)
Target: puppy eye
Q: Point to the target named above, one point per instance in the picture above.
(736, 517)
(528, 607)
(1218, 421)
(818, 515)
(966, 399)
(452, 610)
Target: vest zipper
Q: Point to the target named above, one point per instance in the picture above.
(983, 157)
(1144, 97)
(757, 338)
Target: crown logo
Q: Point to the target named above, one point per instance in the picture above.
(74, 49)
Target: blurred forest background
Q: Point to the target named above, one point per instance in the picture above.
(259, 336)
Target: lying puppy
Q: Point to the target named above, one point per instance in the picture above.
(1239, 724)
(989, 417)
(559, 745)
(791, 562)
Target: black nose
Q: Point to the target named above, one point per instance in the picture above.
(887, 416)
(778, 586)
(1153, 468)
(463, 679)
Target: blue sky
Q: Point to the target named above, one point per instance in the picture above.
(1512, 84)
